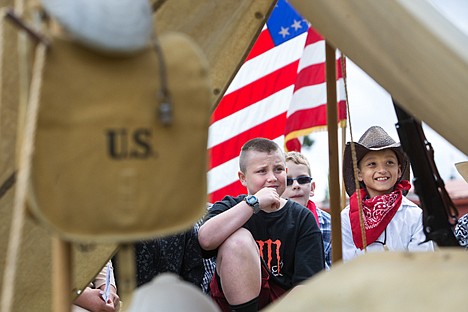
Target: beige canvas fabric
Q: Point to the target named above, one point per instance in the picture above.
(32, 287)
(224, 30)
(104, 166)
(413, 281)
(426, 76)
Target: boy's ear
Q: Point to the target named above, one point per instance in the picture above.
(399, 171)
(359, 175)
(241, 176)
(312, 189)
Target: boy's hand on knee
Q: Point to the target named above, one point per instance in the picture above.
(268, 199)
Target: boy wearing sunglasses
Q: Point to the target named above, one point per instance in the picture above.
(300, 188)
(265, 245)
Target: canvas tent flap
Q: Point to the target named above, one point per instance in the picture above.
(224, 30)
(410, 49)
(33, 286)
(389, 281)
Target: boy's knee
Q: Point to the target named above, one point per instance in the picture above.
(240, 243)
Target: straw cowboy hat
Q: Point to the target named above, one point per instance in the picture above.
(374, 139)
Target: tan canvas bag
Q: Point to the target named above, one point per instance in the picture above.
(104, 166)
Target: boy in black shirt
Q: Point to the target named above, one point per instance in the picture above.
(265, 245)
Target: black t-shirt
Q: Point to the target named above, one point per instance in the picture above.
(289, 240)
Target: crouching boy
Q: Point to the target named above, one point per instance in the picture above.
(265, 245)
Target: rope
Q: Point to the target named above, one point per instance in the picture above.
(8, 184)
(343, 127)
(3, 12)
(23, 175)
(19, 7)
(353, 156)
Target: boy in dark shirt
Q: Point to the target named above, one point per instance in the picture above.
(265, 245)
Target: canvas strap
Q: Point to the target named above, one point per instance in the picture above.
(24, 168)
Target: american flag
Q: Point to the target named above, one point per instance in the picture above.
(279, 90)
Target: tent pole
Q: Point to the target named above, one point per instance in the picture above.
(333, 159)
(61, 275)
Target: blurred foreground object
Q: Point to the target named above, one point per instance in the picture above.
(122, 26)
(388, 281)
(168, 292)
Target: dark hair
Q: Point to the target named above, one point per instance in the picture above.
(258, 145)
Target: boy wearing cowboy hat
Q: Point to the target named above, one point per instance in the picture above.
(391, 221)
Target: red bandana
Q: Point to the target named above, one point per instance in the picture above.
(313, 209)
(378, 211)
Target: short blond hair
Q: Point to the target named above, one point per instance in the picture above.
(298, 159)
(258, 145)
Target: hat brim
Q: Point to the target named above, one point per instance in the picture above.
(462, 168)
(348, 171)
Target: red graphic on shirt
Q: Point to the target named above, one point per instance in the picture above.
(269, 248)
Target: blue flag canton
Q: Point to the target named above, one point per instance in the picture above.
(285, 23)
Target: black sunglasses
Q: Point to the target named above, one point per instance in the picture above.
(300, 180)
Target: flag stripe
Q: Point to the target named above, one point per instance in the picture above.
(313, 54)
(307, 111)
(223, 175)
(264, 43)
(271, 128)
(315, 117)
(256, 91)
(234, 188)
(315, 73)
(249, 117)
(313, 36)
(269, 61)
(312, 96)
